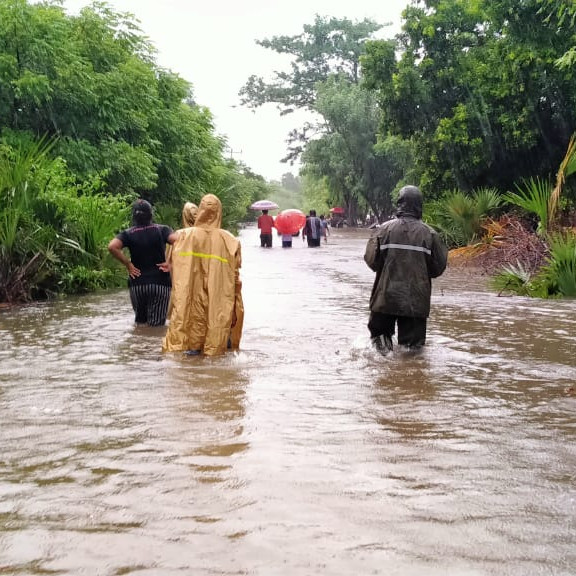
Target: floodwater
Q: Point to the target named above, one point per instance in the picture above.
(305, 453)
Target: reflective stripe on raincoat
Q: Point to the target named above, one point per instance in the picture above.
(405, 253)
(206, 288)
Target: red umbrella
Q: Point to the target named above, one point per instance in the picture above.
(290, 221)
(337, 210)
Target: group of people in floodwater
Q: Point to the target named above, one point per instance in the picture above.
(314, 229)
(192, 275)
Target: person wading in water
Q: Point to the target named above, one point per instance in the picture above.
(149, 284)
(406, 254)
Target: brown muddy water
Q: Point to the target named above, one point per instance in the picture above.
(305, 453)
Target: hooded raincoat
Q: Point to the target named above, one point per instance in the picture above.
(405, 253)
(206, 288)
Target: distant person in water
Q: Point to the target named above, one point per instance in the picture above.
(149, 284)
(406, 254)
(207, 311)
(312, 230)
(286, 240)
(265, 224)
(325, 230)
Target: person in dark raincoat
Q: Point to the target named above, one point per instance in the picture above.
(406, 254)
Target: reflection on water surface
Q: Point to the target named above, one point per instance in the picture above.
(305, 453)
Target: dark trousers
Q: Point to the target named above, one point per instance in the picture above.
(266, 240)
(411, 331)
(313, 242)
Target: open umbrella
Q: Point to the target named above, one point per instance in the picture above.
(290, 221)
(264, 205)
(337, 210)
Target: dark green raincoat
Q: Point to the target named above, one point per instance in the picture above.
(405, 253)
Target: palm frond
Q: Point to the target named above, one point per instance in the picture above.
(533, 196)
(514, 278)
(567, 167)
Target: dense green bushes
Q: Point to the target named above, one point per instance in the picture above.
(88, 123)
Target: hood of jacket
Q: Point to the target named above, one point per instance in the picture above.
(409, 202)
(209, 213)
(189, 213)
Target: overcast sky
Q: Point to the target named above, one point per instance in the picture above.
(211, 43)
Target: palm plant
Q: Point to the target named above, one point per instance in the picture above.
(24, 241)
(16, 167)
(464, 214)
(460, 217)
(487, 201)
(533, 196)
(96, 218)
(513, 278)
(559, 272)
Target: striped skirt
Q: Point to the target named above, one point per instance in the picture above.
(150, 303)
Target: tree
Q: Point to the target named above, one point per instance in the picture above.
(476, 90)
(358, 174)
(328, 46)
(291, 182)
(118, 126)
(92, 81)
(565, 14)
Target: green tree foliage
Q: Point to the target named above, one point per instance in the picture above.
(326, 47)
(476, 89)
(358, 173)
(564, 12)
(316, 195)
(329, 46)
(88, 122)
(50, 225)
(91, 80)
(339, 148)
(291, 182)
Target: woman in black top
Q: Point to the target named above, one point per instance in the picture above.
(149, 285)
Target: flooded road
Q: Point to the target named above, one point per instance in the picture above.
(305, 453)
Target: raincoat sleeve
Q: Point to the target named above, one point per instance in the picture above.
(372, 254)
(237, 281)
(439, 257)
(236, 330)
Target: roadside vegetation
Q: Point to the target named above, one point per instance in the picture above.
(531, 252)
(88, 123)
(475, 102)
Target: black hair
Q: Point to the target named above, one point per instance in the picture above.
(141, 213)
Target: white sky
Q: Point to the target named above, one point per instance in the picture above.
(211, 43)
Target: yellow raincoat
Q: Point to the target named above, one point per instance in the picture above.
(206, 288)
